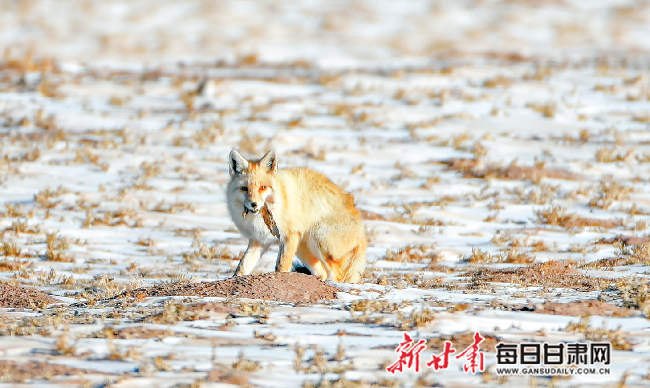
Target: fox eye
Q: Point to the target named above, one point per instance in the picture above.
(262, 187)
(244, 188)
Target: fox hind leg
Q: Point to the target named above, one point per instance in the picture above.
(323, 259)
(340, 249)
(311, 261)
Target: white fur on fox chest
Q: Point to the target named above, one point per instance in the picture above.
(252, 226)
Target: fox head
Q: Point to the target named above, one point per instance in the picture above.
(252, 181)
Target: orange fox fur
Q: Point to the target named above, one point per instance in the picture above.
(316, 220)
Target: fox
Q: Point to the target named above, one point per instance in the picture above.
(310, 216)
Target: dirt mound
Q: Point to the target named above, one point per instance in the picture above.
(20, 297)
(276, 286)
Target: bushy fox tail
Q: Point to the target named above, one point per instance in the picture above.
(354, 264)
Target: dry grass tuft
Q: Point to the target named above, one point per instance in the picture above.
(244, 365)
(553, 274)
(498, 81)
(413, 253)
(617, 337)
(9, 249)
(15, 373)
(609, 155)
(635, 294)
(209, 253)
(547, 110)
(14, 265)
(368, 306)
(557, 216)
(609, 193)
(470, 168)
(584, 307)
(628, 254)
(19, 226)
(163, 207)
(511, 256)
(417, 318)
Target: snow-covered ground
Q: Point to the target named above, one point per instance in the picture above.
(474, 136)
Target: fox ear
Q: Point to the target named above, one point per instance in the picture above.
(238, 163)
(270, 161)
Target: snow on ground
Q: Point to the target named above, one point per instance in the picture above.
(499, 151)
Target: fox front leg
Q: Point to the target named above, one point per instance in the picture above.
(253, 253)
(288, 249)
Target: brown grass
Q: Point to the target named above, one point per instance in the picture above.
(498, 81)
(635, 294)
(549, 274)
(413, 253)
(470, 169)
(10, 249)
(14, 372)
(547, 110)
(511, 256)
(21, 227)
(617, 337)
(591, 307)
(608, 155)
(14, 265)
(627, 254)
(135, 333)
(609, 193)
(556, 215)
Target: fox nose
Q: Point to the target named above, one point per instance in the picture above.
(254, 205)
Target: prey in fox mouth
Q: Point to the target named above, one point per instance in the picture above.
(247, 210)
(255, 208)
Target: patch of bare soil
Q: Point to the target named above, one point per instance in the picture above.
(574, 221)
(275, 286)
(14, 296)
(626, 240)
(228, 377)
(584, 307)
(14, 372)
(549, 274)
(470, 168)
